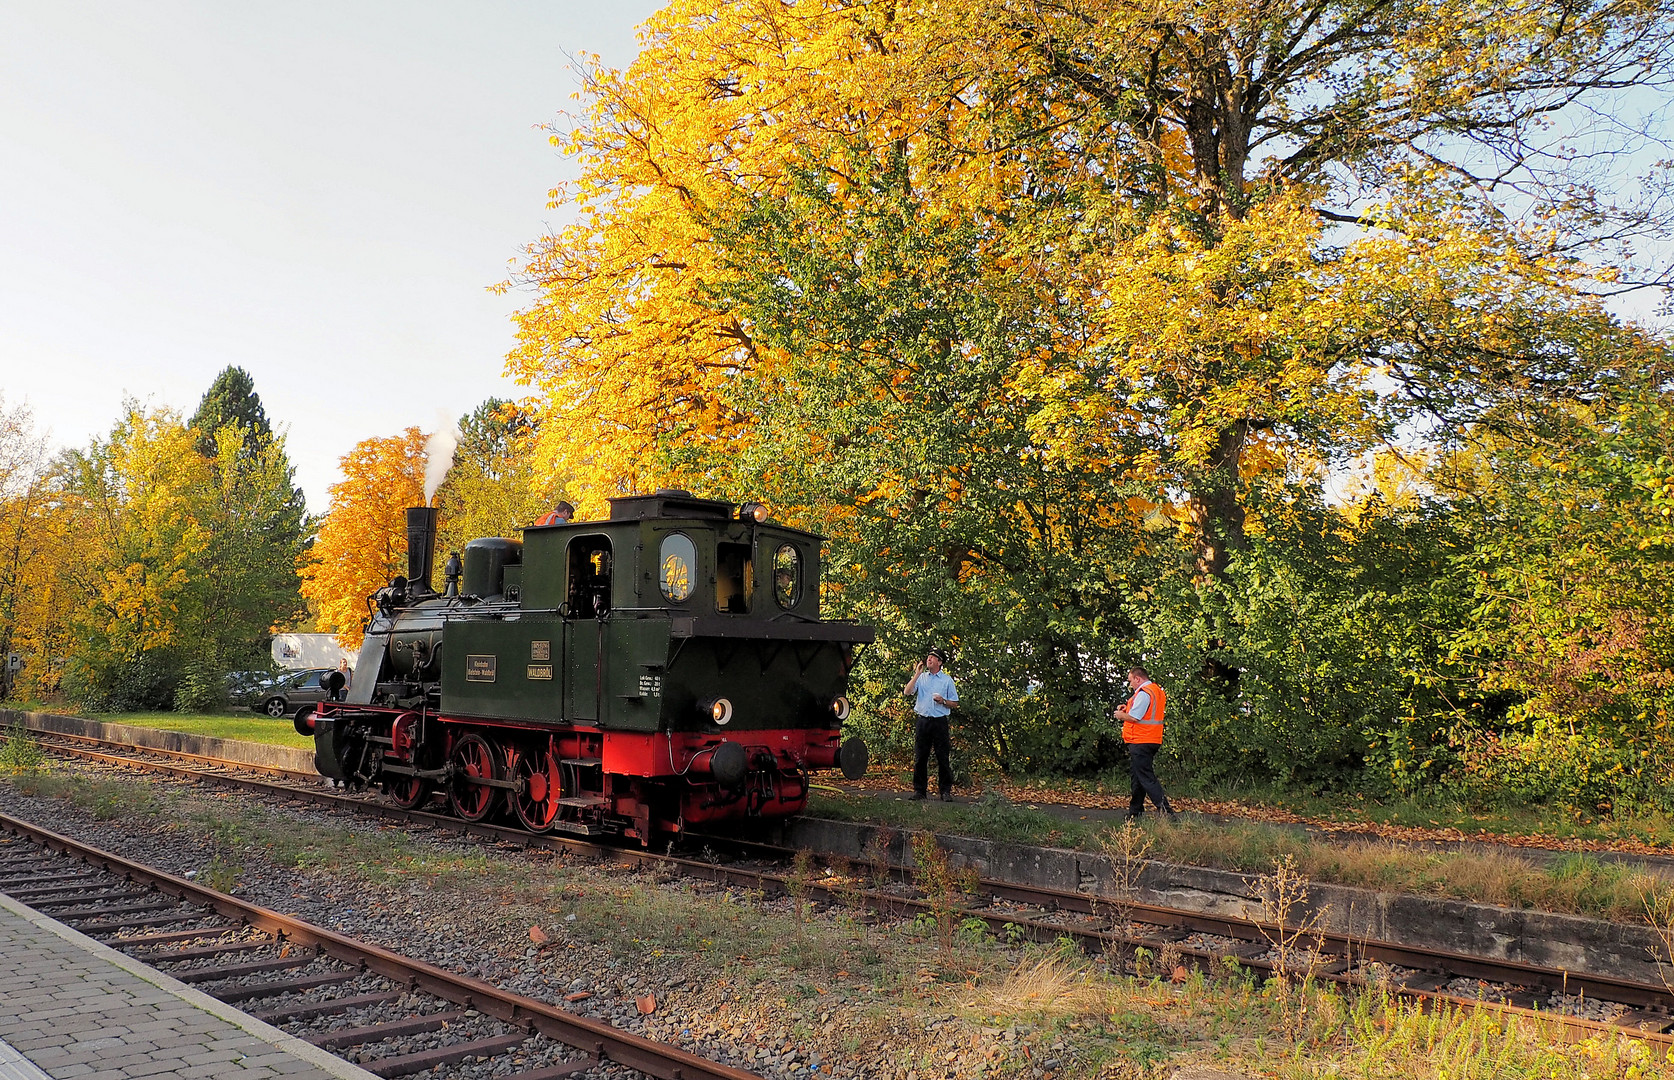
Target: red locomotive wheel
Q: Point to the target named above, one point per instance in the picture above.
(536, 801)
(409, 792)
(473, 757)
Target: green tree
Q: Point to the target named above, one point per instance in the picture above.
(1570, 574)
(258, 531)
(496, 485)
(906, 422)
(230, 399)
(259, 534)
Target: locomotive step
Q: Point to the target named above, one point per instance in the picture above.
(583, 800)
(584, 762)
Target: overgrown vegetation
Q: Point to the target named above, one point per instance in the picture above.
(1577, 884)
(21, 755)
(824, 979)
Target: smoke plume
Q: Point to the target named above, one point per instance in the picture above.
(438, 452)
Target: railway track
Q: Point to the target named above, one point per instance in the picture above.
(1140, 936)
(392, 1015)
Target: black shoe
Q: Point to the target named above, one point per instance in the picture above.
(947, 796)
(917, 796)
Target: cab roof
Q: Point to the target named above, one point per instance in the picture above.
(669, 503)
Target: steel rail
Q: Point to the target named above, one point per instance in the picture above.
(591, 1036)
(1623, 991)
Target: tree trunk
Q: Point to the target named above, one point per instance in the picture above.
(1218, 519)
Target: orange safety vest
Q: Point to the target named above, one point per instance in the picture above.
(1148, 728)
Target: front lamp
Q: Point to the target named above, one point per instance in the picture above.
(755, 511)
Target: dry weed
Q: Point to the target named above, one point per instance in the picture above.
(1050, 985)
(1659, 912)
(877, 856)
(1127, 849)
(797, 884)
(1287, 924)
(944, 886)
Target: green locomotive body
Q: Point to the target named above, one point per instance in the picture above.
(664, 667)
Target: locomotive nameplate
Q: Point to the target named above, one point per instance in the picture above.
(480, 668)
(540, 650)
(540, 671)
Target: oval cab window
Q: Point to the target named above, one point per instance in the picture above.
(787, 576)
(676, 575)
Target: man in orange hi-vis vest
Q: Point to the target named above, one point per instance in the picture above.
(1142, 731)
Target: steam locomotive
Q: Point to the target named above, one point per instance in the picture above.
(635, 676)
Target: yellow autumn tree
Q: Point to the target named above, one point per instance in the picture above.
(1150, 186)
(1029, 288)
(23, 534)
(362, 542)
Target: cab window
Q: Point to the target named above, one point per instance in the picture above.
(787, 576)
(734, 581)
(675, 567)
(589, 576)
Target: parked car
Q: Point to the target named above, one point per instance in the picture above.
(242, 685)
(293, 695)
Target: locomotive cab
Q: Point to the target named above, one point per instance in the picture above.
(664, 667)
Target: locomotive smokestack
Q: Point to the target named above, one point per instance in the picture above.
(421, 547)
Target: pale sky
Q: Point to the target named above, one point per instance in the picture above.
(320, 193)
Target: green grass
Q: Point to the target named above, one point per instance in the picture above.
(1433, 810)
(239, 724)
(245, 726)
(991, 816)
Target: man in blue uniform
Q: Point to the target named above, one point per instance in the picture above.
(934, 697)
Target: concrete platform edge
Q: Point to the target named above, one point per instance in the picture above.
(1567, 942)
(290, 1044)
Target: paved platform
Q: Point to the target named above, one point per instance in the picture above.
(73, 1009)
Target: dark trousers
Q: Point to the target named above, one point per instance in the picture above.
(1142, 766)
(931, 732)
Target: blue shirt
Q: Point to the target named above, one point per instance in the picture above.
(928, 687)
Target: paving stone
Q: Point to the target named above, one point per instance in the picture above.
(75, 1010)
